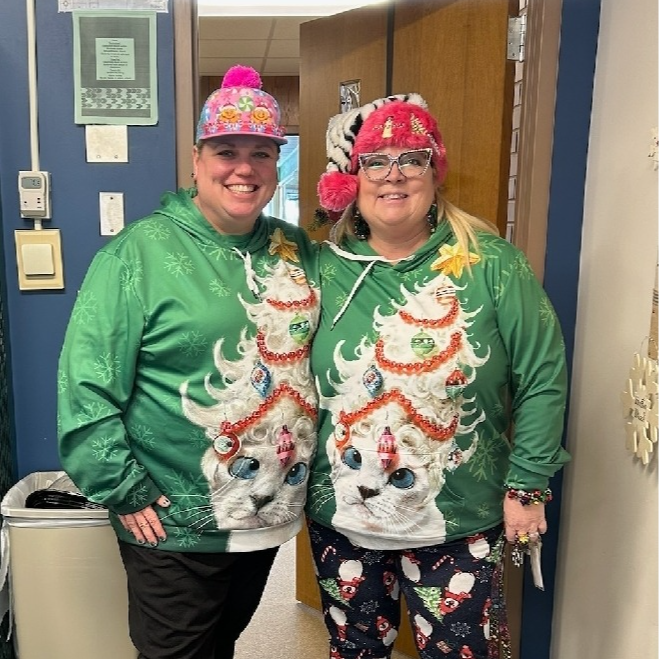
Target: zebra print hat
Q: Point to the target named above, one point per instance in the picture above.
(402, 120)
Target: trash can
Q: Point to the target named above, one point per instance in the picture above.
(67, 585)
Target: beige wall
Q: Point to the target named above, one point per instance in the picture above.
(606, 604)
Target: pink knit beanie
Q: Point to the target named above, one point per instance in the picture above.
(241, 107)
(401, 121)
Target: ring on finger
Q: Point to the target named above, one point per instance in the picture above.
(522, 538)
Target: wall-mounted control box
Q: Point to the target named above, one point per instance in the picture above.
(34, 194)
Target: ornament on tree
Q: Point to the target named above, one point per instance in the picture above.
(261, 379)
(456, 383)
(373, 380)
(285, 446)
(639, 400)
(387, 448)
(226, 443)
(423, 344)
(299, 329)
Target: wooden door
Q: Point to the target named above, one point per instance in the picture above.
(347, 46)
(453, 52)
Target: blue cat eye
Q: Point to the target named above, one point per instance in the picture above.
(403, 479)
(296, 474)
(353, 458)
(245, 468)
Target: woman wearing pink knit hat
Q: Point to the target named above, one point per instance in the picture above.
(187, 405)
(435, 341)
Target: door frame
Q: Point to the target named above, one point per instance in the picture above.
(536, 134)
(186, 92)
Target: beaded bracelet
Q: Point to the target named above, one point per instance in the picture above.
(527, 497)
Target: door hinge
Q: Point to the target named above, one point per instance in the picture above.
(516, 38)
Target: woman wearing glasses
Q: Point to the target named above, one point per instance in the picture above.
(435, 339)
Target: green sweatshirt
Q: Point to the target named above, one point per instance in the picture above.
(423, 368)
(185, 372)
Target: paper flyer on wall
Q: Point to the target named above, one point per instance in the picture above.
(126, 5)
(115, 67)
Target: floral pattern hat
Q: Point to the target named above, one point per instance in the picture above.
(241, 107)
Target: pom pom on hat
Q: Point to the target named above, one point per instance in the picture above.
(241, 107)
(242, 76)
(336, 190)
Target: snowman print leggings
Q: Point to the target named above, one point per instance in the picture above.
(453, 593)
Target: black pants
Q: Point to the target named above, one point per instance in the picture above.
(191, 605)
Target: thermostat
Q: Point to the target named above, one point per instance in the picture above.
(34, 194)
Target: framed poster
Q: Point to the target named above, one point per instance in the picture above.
(115, 75)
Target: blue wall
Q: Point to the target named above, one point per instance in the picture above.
(37, 320)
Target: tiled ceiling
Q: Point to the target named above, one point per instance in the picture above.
(270, 44)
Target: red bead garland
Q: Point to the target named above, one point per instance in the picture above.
(293, 304)
(279, 357)
(433, 430)
(448, 319)
(418, 367)
(282, 390)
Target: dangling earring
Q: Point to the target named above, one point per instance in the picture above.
(193, 189)
(360, 226)
(431, 218)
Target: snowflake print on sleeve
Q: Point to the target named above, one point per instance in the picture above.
(138, 496)
(92, 412)
(85, 308)
(156, 230)
(179, 264)
(131, 275)
(107, 367)
(104, 449)
(142, 436)
(193, 343)
(62, 382)
(219, 288)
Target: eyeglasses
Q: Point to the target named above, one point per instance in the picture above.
(377, 166)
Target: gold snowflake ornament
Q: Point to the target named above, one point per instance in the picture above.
(639, 401)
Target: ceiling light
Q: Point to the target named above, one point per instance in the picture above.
(277, 8)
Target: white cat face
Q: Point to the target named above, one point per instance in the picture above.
(385, 498)
(254, 488)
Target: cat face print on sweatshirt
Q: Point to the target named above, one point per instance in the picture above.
(261, 429)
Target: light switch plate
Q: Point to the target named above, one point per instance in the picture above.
(38, 260)
(33, 245)
(111, 210)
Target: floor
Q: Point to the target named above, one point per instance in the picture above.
(282, 627)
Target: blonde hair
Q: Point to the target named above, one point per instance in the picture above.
(463, 225)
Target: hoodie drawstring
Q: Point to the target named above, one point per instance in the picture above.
(371, 260)
(249, 272)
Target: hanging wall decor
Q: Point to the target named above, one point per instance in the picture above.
(349, 95)
(639, 400)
